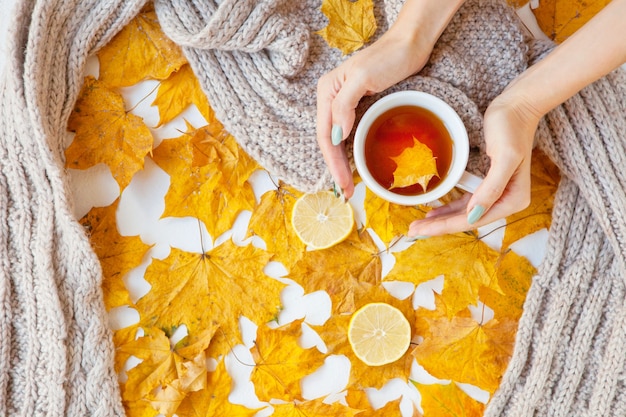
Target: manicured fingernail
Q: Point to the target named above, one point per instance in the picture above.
(475, 214)
(339, 192)
(336, 135)
(418, 237)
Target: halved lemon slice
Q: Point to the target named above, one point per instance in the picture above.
(379, 334)
(322, 220)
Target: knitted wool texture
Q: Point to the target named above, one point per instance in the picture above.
(259, 61)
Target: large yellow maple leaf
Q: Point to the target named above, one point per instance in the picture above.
(106, 133)
(280, 363)
(139, 51)
(117, 254)
(357, 255)
(465, 261)
(208, 177)
(278, 233)
(219, 286)
(350, 23)
(466, 351)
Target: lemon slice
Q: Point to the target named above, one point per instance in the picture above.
(322, 220)
(379, 334)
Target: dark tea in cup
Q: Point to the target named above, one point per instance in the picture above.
(412, 120)
(396, 130)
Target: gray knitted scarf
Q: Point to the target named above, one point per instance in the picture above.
(258, 61)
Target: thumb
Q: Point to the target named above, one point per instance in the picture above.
(344, 109)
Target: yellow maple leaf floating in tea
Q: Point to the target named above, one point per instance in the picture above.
(416, 165)
(350, 23)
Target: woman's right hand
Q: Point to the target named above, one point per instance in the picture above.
(402, 51)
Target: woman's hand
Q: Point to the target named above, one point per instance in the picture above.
(400, 52)
(510, 124)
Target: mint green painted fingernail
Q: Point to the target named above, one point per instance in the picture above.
(336, 135)
(418, 237)
(475, 214)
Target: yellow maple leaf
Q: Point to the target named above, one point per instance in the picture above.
(415, 165)
(139, 51)
(219, 286)
(350, 23)
(357, 255)
(545, 177)
(313, 408)
(213, 400)
(279, 236)
(514, 274)
(387, 219)
(466, 262)
(208, 178)
(179, 91)
(561, 18)
(281, 363)
(164, 377)
(117, 254)
(358, 399)
(466, 351)
(106, 133)
(448, 401)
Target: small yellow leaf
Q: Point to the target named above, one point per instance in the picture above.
(448, 401)
(178, 92)
(350, 23)
(416, 165)
(139, 51)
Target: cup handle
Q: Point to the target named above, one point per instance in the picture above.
(469, 182)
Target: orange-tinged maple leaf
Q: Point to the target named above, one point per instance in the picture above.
(199, 290)
(448, 401)
(545, 177)
(464, 350)
(313, 408)
(117, 254)
(106, 133)
(350, 23)
(213, 400)
(179, 91)
(279, 236)
(357, 255)
(124, 339)
(139, 51)
(466, 262)
(560, 18)
(387, 219)
(415, 165)
(281, 363)
(208, 178)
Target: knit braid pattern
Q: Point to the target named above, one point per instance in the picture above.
(570, 352)
(55, 347)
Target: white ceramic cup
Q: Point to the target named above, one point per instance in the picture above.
(456, 175)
